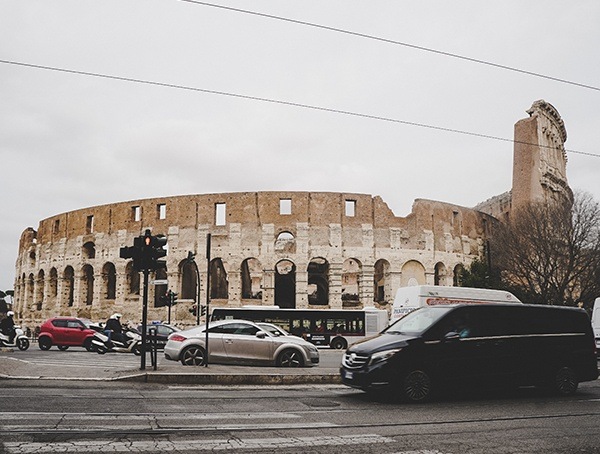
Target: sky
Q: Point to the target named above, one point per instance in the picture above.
(70, 141)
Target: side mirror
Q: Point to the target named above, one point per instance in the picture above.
(261, 334)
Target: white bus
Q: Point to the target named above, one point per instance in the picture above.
(410, 298)
(323, 327)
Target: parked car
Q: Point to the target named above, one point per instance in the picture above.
(239, 342)
(163, 331)
(475, 345)
(65, 332)
(276, 330)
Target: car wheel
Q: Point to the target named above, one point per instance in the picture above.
(565, 381)
(87, 344)
(193, 356)
(416, 386)
(23, 343)
(338, 344)
(290, 358)
(62, 348)
(44, 343)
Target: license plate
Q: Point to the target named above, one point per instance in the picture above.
(348, 375)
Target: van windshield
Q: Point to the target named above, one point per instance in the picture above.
(418, 321)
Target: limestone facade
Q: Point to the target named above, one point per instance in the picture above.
(291, 249)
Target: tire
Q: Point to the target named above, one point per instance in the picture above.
(416, 386)
(23, 343)
(44, 343)
(137, 350)
(63, 348)
(87, 344)
(290, 358)
(101, 350)
(565, 381)
(194, 355)
(338, 344)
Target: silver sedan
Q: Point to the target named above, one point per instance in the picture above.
(239, 342)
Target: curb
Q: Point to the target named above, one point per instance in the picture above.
(233, 379)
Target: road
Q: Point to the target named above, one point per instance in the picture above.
(102, 417)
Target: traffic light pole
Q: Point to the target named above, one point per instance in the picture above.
(144, 318)
(207, 294)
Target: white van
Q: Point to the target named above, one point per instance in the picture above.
(410, 298)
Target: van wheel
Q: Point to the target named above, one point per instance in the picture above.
(193, 356)
(565, 381)
(338, 344)
(416, 386)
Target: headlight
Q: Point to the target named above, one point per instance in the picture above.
(383, 356)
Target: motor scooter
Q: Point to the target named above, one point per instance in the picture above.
(132, 343)
(20, 341)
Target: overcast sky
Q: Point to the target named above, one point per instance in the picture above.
(71, 141)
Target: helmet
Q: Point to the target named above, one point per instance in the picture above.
(116, 315)
(10, 313)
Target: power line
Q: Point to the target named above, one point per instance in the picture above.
(391, 41)
(285, 103)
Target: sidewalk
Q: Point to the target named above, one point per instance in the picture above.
(172, 373)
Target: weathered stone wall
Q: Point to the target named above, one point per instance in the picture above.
(66, 266)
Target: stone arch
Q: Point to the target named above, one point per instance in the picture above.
(285, 243)
(189, 281)
(439, 275)
(318, 281)
(88, 250)
(252, 275)
(87, 285)
(109, 280)
(351, 272)
(132, 279)
(53, 283)
(457, 275)
(39, 290)
(68, 291)
(285, 284)
(219, 286)
(30, 290)
(381, 282)
(413, 273)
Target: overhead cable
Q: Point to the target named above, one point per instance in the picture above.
(281, 102)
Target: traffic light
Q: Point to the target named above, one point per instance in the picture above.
(146, 251)
(202, 310)
(171, 298)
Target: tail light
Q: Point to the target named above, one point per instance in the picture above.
(177, 337)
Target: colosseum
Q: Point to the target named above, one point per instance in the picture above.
(290, 249)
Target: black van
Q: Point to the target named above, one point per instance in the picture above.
(474, 345)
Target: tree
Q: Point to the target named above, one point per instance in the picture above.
(549, 253)
(478, 275)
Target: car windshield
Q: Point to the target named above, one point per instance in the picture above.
(417, 322)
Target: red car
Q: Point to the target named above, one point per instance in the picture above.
(65, 332)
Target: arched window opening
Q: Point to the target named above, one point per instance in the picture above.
(189, 278)
(109, 276)
(439, 277)
(53, 283)
(89, 250)
(285, 243)
(133, 279)
(251, 279)
(351, 270)
(30, 290)
(285, 284)
(69, 286)
(381, 282)
(218, 280)
(457, 276)
(39, 290)
(87, 285)
(318, 282)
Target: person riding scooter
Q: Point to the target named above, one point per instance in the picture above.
(113, 328)
(7, 326)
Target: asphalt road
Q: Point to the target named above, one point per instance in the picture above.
(99, 417)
